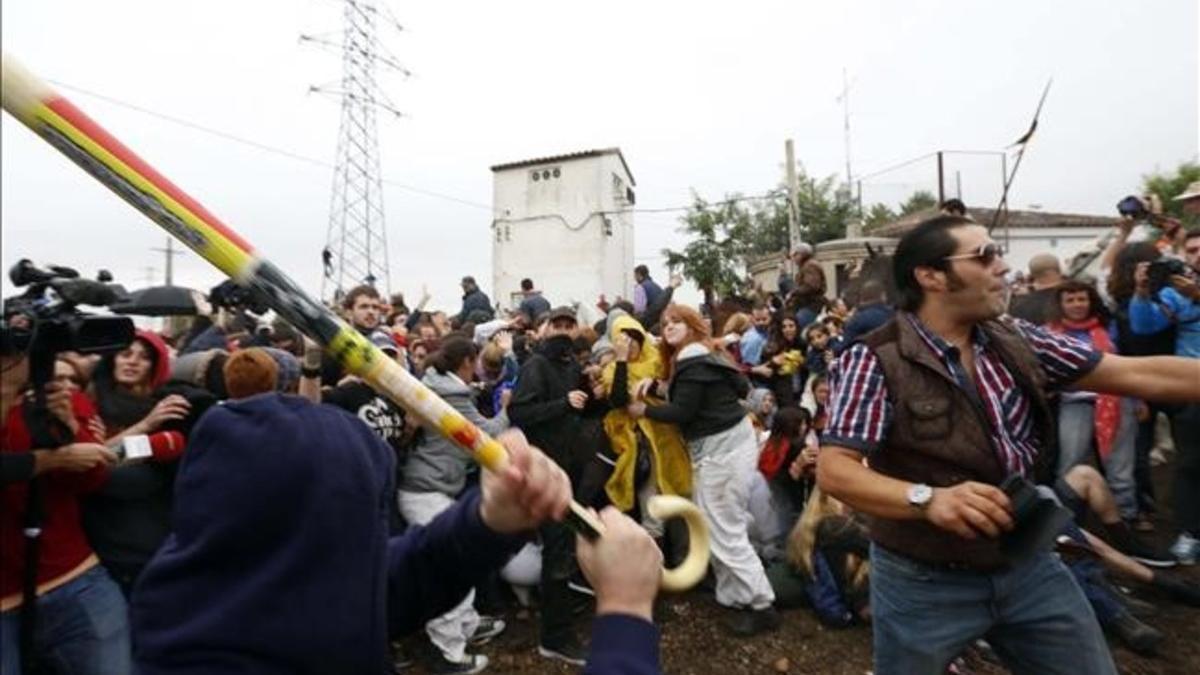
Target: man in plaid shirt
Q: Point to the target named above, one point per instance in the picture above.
(944, 402)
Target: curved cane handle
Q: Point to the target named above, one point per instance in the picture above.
(689, 572)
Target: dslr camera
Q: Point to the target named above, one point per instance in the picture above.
(1133, 207)
(45, 320)
(1160, 271)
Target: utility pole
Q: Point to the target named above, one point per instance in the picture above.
(793, 195)
(844, 99)
(356, 241)
(941, 180)
(170, 252)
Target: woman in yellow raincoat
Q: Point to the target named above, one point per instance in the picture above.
(638, 361)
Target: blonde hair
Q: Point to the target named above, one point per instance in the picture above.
(738, 322)
(803, 538)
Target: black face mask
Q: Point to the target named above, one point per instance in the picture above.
(558, 348)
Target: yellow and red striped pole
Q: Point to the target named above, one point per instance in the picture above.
(57, 121)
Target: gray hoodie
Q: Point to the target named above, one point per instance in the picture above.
(436, 464)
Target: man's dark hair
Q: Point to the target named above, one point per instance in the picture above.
(359, 291)
(954, 207)
(453, 351)
(1191, 234)
(642, 270)
(1120, 281)
(527, 284)
(926, 245)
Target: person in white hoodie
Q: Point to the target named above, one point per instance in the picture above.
(435, 474)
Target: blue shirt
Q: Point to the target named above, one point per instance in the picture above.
(752, 345)
(1146, 317)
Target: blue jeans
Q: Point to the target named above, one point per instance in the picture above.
(1033, 615)
(1076, 437)
(82, 627)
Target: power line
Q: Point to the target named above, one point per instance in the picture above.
(234, 138)
(259, 146)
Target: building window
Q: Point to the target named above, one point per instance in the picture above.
(545, 174)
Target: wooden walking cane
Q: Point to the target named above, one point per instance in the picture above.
(61, 124)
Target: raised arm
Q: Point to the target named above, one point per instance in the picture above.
(1154, 378)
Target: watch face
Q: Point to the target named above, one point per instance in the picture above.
(919, 495)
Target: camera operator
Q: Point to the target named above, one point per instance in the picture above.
(82, 623)
(1167, 296)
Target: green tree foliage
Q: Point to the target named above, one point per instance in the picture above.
(723, 233)
(878, 214)
(719, 238)
(1170, 185)
(918, 201)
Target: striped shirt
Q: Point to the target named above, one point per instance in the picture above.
(860, 412)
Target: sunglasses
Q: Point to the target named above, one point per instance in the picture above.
(986, 254)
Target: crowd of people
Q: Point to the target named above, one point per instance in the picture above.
(957, 471)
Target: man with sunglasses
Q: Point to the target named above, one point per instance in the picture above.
(945, 402)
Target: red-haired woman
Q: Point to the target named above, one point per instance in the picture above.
(705, 392)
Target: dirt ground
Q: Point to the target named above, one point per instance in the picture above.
(693, 642)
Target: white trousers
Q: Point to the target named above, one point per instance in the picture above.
(450, 631)
(723, 475)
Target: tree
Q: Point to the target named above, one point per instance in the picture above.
(918, 201)
(879, 214)
(825, 208)
(1170, 185)
(720, 236)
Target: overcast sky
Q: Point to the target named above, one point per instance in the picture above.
(697, 95)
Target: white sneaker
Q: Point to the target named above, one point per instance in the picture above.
(1186, 549)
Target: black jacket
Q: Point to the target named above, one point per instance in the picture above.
(539, 405)
(476, 301)
(705, 394)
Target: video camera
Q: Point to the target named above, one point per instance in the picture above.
(51, 322)
(44, 320)
(237, 298)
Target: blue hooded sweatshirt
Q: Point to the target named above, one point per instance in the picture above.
(278, 560)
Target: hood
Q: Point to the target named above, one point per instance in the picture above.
(613, 314)
(445, 385)
(281, 510)
(692, 351)
(648, 364)
(161, 370)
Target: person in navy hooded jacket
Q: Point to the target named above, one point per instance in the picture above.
(279, 559)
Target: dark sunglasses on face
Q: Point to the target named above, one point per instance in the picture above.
(986, 254)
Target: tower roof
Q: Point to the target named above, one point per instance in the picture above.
(584, 154)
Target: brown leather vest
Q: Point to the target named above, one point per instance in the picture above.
(941, 437)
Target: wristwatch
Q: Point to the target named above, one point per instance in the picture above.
(919, 496)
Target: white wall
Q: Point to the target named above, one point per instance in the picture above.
(547, 230)
(1064, 242)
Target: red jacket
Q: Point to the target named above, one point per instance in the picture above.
(64, 546)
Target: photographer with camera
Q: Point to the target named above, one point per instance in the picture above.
(57, 603)
(1167, 297)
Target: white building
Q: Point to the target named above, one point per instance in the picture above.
(1024, 234)
(564, 222)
